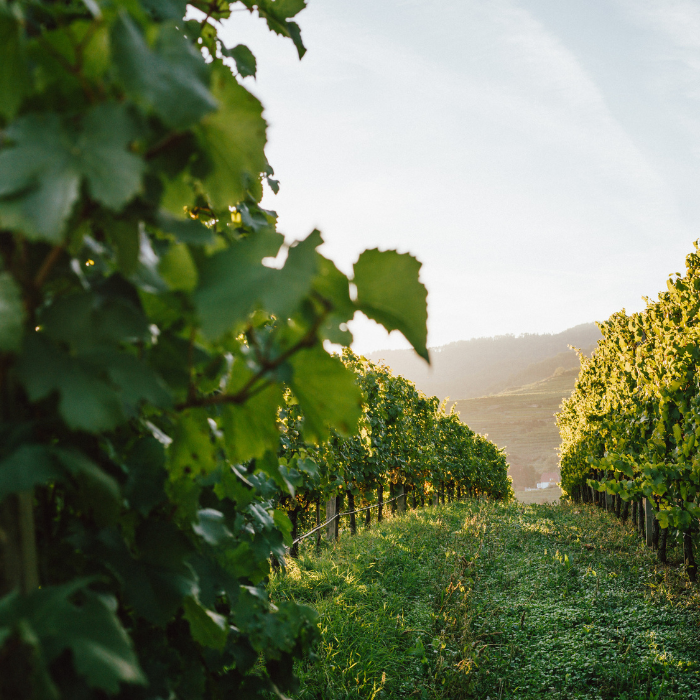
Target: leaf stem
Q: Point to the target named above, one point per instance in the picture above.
(49, 261)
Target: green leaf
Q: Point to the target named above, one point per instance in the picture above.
(146, 464)
(101, 649)
(13, 69)
(211, 527)
(156, 583)
(86, 320)
(334, 287)
(172, 79)
(250, 429)
(31, 465)
(233, 282)
(40, 175)
(290, 285)
(11, 313)
(234, 139)
(100, 493)
(186, 230)
(166, 9)
(26, 468)
(207, 627)
(389, 292)
(243, 56)
(113, 173)
(284, 525)
(124, 236)
(192, 451)
(87, 402)
(178, 269)
(277, 13)
(327, 393)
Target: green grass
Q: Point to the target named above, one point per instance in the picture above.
(483, 600)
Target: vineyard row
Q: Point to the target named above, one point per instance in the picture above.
(631, 428)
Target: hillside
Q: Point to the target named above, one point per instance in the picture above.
(522, 421)
(506, 387)
(484, 366)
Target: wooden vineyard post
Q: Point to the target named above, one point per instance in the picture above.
(331, 513)
(401, 501)
(641, 517)
(649, 522)
(435, 498)
(380, 500)
(318, 522)
(351, 508)
(625, 511)
(294, 517)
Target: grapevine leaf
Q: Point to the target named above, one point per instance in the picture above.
(178, 269)
(251, 428)
(233, 138)
(11, 313)
(211, 527)
(277, 14)
(185, 230)
(27, 467)
(333, 286)
(233, 281)
(191, 451)
(86, 320)
(146, 464)
(39, 180)
(13, 69)
(154, 588)
(292, 283)
(327, 393)
(208, 627)
(124, 236)
(40, 175)
(101, 649)
(87, 402)
(389, 292)
(172, 79)
(113, 173)
(166, 9)
(245, 61)
(284, 524)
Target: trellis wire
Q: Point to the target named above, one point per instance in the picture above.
(339, 515)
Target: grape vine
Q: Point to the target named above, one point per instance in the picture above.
(151, 364)
(631, 428)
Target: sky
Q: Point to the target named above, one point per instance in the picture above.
(541, 158)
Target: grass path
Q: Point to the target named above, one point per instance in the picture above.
(481, 600)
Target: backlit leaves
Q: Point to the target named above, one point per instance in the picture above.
(389, 292)
(41, 172)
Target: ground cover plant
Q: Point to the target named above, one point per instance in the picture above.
(481, 599)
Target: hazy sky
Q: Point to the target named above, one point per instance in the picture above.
(541, 158)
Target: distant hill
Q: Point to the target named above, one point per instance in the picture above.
(507, 387)
(485, 366)
(522, 421)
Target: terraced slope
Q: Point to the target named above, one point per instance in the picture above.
(522, 421)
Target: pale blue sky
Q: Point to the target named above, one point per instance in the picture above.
(541, 158)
